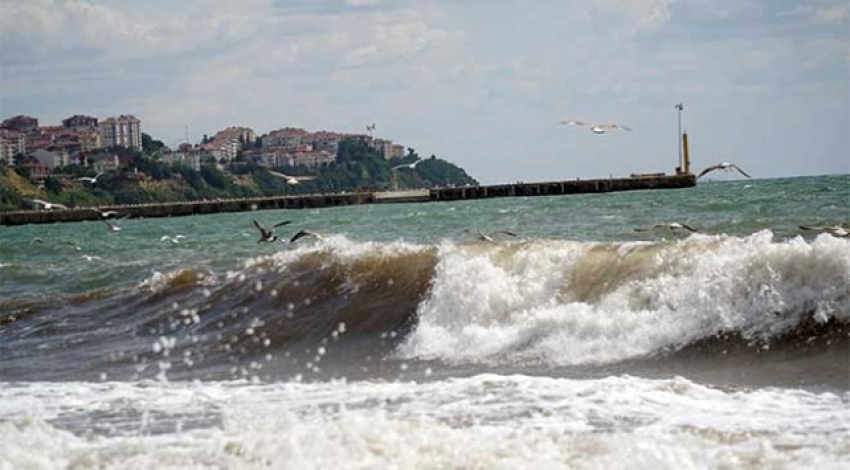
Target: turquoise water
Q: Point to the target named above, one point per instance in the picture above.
(398, 339)
(221, 241)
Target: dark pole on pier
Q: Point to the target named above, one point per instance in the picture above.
(679, 107)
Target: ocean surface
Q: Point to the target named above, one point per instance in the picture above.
(398, 340)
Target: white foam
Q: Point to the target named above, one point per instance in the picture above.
(486, 421)
(498, 303)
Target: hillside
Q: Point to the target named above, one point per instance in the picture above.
(144, 180)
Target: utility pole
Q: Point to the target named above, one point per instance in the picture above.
(679, 107)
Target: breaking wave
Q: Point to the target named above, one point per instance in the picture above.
(551, 303)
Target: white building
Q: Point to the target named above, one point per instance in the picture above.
(11, 143)
(123, 131)
(191, 159)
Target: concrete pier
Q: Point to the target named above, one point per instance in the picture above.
(309, 201)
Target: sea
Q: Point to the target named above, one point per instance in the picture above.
(399, 338)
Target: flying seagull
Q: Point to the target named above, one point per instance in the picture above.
(836, 230)
(596, 128)
(725, 166)
(289, 179)
(303, 233)
(47, 205)
(489, 237)
(91, 179)
(107, 214)
(113, 226)
(407, 165)
(670, 226)
(267, 234)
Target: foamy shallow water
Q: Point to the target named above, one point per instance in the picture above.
(485, 421)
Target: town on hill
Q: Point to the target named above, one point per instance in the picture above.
(91, 162)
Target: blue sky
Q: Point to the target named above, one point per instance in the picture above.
(482, 84)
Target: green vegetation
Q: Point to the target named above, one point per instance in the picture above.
(144, 178)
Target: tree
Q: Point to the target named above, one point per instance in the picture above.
(149, 145)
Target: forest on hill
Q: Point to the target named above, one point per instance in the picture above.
(146, 179)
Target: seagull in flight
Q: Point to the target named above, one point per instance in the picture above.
(91, 179)
(725, 166)
(289, 179)
(113, 226)
(303, 233)
(597, 128)
(107, 214)
(489, 237)
(47, 205)
(267, 234)
(407, 165)
(673, 226)
(836, 230)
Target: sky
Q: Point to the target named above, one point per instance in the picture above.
(482, 84)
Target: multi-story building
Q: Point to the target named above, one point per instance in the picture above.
(191, 157)
(80, 122)
(20, 123)
(313, 159)
(11, 143)
(288, 137)
(324, 140)
(123, 131)
(227, 143)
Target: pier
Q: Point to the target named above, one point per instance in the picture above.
(310, 201)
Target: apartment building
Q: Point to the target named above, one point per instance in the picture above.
(79, 122)
(288, 137)
(11, 143)
(20, 123)
(123, 131)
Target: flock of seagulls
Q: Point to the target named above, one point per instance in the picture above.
(267, 234)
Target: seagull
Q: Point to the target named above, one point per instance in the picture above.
(289, 179)
(267, 234)
(407, 165)
(725, 166)
(91, 258)
(47, 205)
(107, 214)
(174, 239)
(302, 234)
(37, 240)
(596, 128)
(113, 226)
(670, 226)
(836, 230)
(91, 179)
(488, 237)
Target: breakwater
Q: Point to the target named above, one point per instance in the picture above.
(309, 201)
